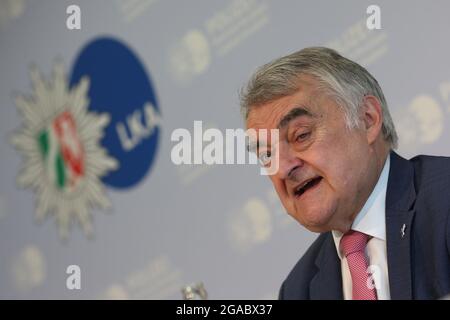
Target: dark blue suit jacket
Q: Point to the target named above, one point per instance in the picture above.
(418, 195)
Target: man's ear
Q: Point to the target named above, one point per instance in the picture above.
(372, 117)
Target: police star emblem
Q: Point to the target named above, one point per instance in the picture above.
(60, 142)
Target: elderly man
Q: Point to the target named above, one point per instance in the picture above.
(383, 220)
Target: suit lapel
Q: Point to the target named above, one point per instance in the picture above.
(400, 199)
(327, 283)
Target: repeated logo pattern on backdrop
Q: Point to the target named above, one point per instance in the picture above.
(100, 128)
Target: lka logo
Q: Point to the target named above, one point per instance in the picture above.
(100, 126)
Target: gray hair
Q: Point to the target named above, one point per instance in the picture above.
(342, 79)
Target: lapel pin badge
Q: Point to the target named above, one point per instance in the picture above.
(402, 230)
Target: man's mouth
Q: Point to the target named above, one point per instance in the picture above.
(306, 185)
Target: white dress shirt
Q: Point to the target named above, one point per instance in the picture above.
(370, 220)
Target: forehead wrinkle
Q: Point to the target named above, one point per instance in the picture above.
(294, 113)
(308, 93)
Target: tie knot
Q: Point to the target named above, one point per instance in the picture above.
(353, 241)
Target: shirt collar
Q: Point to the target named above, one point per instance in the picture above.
(371, 219)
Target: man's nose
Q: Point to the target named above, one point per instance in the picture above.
(289, 161)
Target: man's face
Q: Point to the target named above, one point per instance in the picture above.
(325, 169)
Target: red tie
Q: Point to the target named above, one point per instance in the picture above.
(353, 244)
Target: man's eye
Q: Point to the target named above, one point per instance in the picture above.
(302, 136)
(264, 158)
